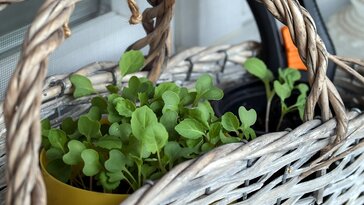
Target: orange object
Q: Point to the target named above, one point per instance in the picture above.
(293, 57)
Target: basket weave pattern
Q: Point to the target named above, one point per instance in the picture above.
(271, 169)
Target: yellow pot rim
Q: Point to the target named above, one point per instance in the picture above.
(67, 186)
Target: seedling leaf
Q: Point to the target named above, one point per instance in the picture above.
(247, 117)
(91, 162)
(283, 90)
(257, 68)
(124, 107)
(173, 151)
(57, 138)
(141, 118)
(116, 162)
(69, 126)
(154, 137)
(131, 62)
(73, 156)
(109, 142)
(89, 128)
(190, 129)
(82, 85)
(171, 101)
(230, 122)
(163, 87)
(206, 90)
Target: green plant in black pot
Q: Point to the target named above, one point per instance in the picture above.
(283, 88)
(139, 132)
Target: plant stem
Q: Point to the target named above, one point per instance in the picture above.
(139, 176)
(90, 183)
(140, 171)
(267, 110)
(270, 94)
(131, 184)
(82, 183)
(163, 169)
(283, 113)
(131, 177)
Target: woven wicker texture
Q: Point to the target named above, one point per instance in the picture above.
(224, 174)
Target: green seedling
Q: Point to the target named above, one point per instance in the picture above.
(139, 133)
(283, 88)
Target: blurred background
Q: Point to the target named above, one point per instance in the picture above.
(102, 25)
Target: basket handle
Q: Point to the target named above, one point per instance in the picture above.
(273, 53)
(23, 97)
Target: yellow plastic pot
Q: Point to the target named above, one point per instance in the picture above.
(59, 193)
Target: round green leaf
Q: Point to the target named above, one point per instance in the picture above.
(154, 137)
(57, 138)
(101, 103)
(131, 62)
(166, 86)
(115, 176)
(112, 88)
(122, 131)
(69, 126)
(94, 113)
(283, 90)
(190, 129)
(116, 161)
(173, 151)
(214, 133)
(109, 142)
(290, 76)
(88, 127)
(257, 68)
(59, 170)
(303, 88)
(73, 156)
(171, 101)
(105, 182)
(247, 117)
(53, 154)
(230, 122)
(206, 90)
(131, 92)
(124, 107)
(91, 162)
(82, 86)
(169, 120)
(141, 118)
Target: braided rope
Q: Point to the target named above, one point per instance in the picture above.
(313, 53)
(136, 17)
(156, 23)
(5, 3)
(22, 104)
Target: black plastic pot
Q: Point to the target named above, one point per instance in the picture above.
(253, 96)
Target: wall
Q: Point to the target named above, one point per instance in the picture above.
(224, 21)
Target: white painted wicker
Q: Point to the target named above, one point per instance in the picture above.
(276, 168)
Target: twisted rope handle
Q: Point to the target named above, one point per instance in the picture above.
(23, 97)
(23, 100)
(313, 53)
(136, 17)
(156, 23)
